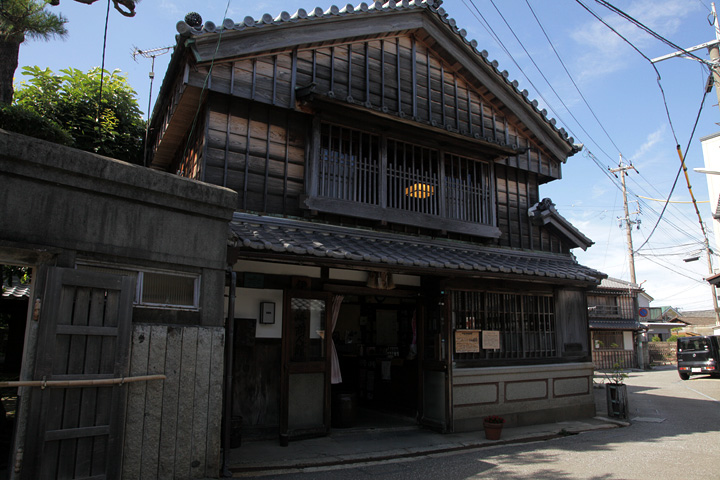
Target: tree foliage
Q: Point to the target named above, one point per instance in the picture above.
(20, 19)
(28, 18)
(70, 99)
(16, 118)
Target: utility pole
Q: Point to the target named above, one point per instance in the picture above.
(622, 168)
(714, 65)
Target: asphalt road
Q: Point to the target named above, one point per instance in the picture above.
(674, 434)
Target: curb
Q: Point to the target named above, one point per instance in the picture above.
(240, 472)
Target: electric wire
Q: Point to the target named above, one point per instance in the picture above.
(486, 25)
(692, 134)
(648, 30)
(532, 60)
(547, 37)
(662, 91)
(102, 69)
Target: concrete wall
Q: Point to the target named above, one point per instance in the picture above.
(62, 206)
(524, 395)
(79, 205)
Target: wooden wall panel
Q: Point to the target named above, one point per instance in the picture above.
(518, 190)
(173, 426)
(399, 70)
(260, 153)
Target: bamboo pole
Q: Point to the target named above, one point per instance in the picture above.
(82, 383)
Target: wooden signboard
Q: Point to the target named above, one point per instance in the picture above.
(467, 341)
(491, 340)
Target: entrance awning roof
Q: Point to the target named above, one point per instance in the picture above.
(371, 249)
(614, 324)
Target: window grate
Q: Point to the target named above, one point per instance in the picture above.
(526, 323)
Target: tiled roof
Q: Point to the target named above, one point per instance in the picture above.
(308, 239)
(17, 291)
(617, 284)
(600, 324)
(544, 213)
(698, 317)
(302, 15)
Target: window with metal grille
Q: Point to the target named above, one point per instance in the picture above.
(158, 289)
(526, 323)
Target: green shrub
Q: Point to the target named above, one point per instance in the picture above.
(18, 119)
(673, 338)
(655, 339)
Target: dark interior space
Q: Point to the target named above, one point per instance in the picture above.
(376, 341)
(13, 318)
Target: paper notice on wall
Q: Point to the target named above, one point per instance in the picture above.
(467, 341)
(491, 340)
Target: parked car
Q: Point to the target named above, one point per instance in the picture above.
(698, 356)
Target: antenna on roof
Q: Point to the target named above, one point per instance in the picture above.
(155, 52)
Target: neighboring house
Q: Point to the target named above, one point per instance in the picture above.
(698, 322)
(613, 310)
(128, 269)
(389, 241)
(660, 323)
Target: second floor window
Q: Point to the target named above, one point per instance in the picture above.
(378, 171)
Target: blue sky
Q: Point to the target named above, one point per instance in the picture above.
(627, 111)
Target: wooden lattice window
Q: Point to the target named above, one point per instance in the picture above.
(349, 165)
(375, 171)
(413, 176)
(526, 323)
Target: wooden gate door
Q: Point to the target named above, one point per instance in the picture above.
(84, 334)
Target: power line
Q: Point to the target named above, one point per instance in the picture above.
(692, 134)
(572, 79)
(667, 111)
(532, 60)
(648, 30)
(486, 25)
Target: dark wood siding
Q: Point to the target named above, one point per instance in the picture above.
(398, 75)
(257, 143)
(257, 151)
(517, 191)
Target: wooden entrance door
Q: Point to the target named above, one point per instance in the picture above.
(434, 352)
(305, 396)
(84, 334)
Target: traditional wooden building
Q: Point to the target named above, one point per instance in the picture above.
(390, 246)
(614, 310)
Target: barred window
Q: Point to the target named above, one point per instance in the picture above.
(609, 339)
(157, 289)
(375, 170)
(526, 323)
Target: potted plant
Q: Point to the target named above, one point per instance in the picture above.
(493, 425)
(616, 393)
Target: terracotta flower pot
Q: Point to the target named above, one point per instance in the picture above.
(492, 430)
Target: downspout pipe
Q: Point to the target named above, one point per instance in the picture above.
(227, 398)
